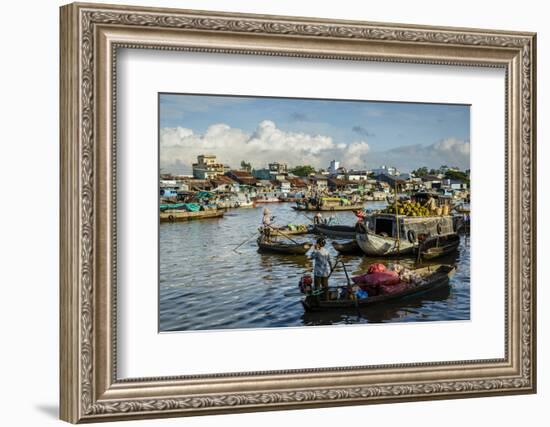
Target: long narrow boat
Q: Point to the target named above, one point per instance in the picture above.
(177, 215)
(377, 245)
(327, 208)
(337, 231)
(246, 204)
(436, 277)
(283, 248)
(292, 231)
(266, 199)
(346, 248)
(438, 246)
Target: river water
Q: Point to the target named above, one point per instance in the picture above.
(205, 284)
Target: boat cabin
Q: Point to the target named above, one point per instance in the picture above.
(440, 199)
(423, 227)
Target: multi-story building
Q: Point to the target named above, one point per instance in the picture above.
(358, 175)
(277, 168)
(333, 167)
(207, 167)
(386, 170)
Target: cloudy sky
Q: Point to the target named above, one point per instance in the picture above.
(359, 134)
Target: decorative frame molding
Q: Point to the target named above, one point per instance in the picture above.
(90, 37)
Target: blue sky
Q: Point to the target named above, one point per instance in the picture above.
(364, 134)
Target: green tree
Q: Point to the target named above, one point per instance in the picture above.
(246, 166)
(303, 170)
(458, 175)
(420, 172)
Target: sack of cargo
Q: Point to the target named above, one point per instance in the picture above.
(377, 279)
(376, 268)
(393, 289)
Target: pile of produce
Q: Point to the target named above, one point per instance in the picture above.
(297, 227)
(407, 208)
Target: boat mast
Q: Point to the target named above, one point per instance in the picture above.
(397, 221)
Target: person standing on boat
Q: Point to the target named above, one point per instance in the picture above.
(322, 265)
(431, 204)
(266, 225)
(318, 218)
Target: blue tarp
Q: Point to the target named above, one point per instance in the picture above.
(190, 207)
(203, 195)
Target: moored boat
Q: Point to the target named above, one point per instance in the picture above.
(373, 244)
(336, 230)
(434, 277)
(327, 204)
(283, 248)
(345, 248)
(394, 235)
(439, 246)
(327, 208)
(292, 229)
(177, 215)
(267, 199)
(246, 204)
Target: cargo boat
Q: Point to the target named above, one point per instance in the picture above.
(436, 277)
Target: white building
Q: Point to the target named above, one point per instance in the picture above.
(357, 175)
(386, 170)
(333, 167)
(207, 167)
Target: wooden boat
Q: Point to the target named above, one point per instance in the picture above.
(327, 208)
(177, 215)
(380, 235)
(267, 199)
(345, 248)
(302, 229)
(379, 245)
(438, 246)
(436, 277)
(336, 230)
(246, 204)
(283, 248)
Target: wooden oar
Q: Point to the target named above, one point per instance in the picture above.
(235, 249)
(283, 234)
(306, 216)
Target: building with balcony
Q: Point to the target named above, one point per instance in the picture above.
(207, 167)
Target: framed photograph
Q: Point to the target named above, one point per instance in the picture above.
(266, 213)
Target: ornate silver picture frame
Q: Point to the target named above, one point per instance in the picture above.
(91, 34)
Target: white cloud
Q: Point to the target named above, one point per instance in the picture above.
(449, 151)
(453, 147)
(180, 147)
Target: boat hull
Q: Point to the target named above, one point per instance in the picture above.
(438, 280)
(379, 246)
(446, 245)
(337, 231)
(244, 205)
(180, 215)
(350, 247)
(283, 248)
(282, 232)
(328, 208)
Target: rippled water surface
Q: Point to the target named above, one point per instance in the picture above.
(205, 284)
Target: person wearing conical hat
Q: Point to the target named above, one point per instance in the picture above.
(266, 225)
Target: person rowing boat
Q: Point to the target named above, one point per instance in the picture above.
(267, 221)
(322, 266)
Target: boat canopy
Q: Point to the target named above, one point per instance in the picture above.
(190, 207)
